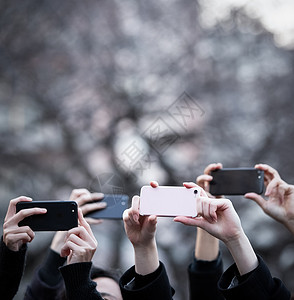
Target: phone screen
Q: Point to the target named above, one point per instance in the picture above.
(236, 181)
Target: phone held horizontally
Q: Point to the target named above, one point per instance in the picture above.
(116, 205)
(236, 181)
(169, 201)
(60, 215)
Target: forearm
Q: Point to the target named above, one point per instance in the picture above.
(146, 258)
(243, 254)
(206, 246)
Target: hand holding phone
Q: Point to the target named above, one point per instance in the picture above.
(169, 201)
(60, 215)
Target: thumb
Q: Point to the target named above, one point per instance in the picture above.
(256, 198)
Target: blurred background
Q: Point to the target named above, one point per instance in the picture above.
(108, 95)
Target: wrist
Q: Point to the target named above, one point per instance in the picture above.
(206, 247)
(243, 253)
(146, 258)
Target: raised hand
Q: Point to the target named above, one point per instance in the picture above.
(15, 236)
(279, 203)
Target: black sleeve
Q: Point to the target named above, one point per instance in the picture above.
(47, 282)
(11, 269)
(203, 279)
(153, 286)
(78, 283)
(256, 285)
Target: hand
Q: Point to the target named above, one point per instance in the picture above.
(140, 231)
(85, 201)
(280, 202)
(80, 244)
(204, 179)
(15, 236)
(217, 216)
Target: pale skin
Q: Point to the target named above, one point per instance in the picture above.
(80, 244)
(219, 218)
(279, 201)
(84, 200)
(206, 245)
(140, 231)
(15, 236)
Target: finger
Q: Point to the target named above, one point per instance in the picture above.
(256, 198)
(12, 205)
(152, 219)
(84, 223)
(272, 185)
(198, 222)
(24, 237)
(203, 179)
(87, 208)
(207, 211)
(93, 221)
(268, 170)
(154, 184)
(212, 167)
(28, 212)
(89, 197)
(76, 193)
(134, 211)
(189, 185)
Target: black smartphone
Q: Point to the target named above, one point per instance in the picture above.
(60, 216)
(116, 205)
(236, 181)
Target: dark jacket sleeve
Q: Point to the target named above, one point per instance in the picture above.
(11, 269)
(203, 279)
(47, 283)
(153, 286)
(258, 285)
(78, 283)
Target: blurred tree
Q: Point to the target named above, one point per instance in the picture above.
(109, 95)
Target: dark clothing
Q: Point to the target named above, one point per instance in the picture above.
(257, 284)
(153, 286)
(11, 269)
(78, 283)
(203, 278)
(47, 283)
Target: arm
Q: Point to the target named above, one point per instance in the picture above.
(13, 247)
(47, 281)
(206, 267)
(148, 278)
(219, 218)
(79, 248)
(280, 202)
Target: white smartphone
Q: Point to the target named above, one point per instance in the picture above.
(169, 201)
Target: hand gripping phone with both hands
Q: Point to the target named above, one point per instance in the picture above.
(60, 215)
(236, 181)
(169, 201)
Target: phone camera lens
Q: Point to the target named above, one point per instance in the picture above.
(195, 192)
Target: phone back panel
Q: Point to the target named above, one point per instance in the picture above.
(116, 205)
(236, 181)
(60, 216)
(168, 201)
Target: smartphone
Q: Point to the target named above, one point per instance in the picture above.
(116, 205)
(236, 181)
(169, 201)
(60, 216)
